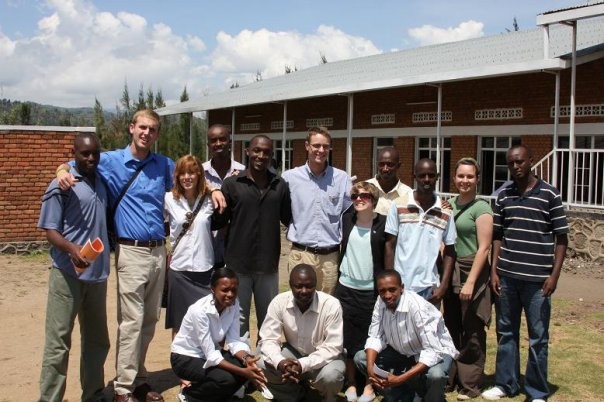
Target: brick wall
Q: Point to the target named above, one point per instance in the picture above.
(28, 160)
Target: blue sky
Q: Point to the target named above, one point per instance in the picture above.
(67, 52)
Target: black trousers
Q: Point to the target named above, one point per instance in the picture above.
(213, 384)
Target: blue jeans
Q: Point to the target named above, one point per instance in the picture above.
(517, 295)
(429, 385)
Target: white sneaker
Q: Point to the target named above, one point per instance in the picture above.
(417, 398)
(463, 397)
(182, 397)
(493, 394)
(538, 400)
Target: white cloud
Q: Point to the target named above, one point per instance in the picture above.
(80, 52)
(239, 57)
(429, 35)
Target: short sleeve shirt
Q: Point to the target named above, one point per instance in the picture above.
(79, 214)
(465, 225)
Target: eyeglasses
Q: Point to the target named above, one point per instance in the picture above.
(361, 196)
(189, 220)
(326, 147)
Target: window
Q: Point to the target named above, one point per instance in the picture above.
(377, 119)
(427, 149)
(426, 117)
(322, 122)
(498, 114)
(249, 126)
(493, 162)
(580, 110)
(277, 154)
(278, 124)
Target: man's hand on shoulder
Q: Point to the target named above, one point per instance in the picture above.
(218, 199)
(65, 180)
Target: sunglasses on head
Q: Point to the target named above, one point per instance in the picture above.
(361, 196)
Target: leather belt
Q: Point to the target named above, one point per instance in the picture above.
(141, 243)
(316, 250)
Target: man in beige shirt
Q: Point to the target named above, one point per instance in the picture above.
(311, 323)
(387, 182)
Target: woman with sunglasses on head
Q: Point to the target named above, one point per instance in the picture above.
(467, 308)
(361, 258)
(207, 350)
(188, 209)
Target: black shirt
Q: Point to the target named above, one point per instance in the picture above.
(253, 241)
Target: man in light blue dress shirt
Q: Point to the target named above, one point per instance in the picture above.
(320, 194)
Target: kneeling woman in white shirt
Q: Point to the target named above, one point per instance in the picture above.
(198, 353)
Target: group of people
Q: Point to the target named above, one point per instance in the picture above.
(371, 266)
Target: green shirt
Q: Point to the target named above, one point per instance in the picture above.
(467, 241)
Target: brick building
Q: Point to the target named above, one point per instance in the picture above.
(492, 92)
(29, 156)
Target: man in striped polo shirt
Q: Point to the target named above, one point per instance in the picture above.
(529, 245)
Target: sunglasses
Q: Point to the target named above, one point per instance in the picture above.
(189, 219)
(361, 196)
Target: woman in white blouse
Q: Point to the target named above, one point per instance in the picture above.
(198, 349)
(188, 209)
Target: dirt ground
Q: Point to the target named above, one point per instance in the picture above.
(23, 291)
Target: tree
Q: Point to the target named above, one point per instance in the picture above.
(141, 102)
(289, 70)
(258, 76)
(323, 58)
(150, 103)
(25, 114)
(515, 26)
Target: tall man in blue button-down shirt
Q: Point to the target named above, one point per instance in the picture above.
(320, 194)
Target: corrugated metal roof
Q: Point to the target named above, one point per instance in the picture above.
(503, 54)
(588, 4)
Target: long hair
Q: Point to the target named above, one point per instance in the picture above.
(192, 165)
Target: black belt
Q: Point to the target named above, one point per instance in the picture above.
(141, 243)
(317, 250)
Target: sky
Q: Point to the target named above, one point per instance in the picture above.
(69, 52)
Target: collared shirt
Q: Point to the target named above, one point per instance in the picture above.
(316, 334)
(79, 214)
(203, 329)
(140, 213)
(318, 203)
(415, 328)
(194, 252)
(419, 237)
(253, 242)
(527, 225)
(214, 178)
(397, 193)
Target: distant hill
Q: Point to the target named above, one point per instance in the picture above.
(31, 113)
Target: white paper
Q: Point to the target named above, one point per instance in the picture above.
(379, 372)
(266, 393)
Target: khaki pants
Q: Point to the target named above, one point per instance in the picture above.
(140, 280)
(325, 265)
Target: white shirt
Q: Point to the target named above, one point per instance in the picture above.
(194, 252)
(202, 330)
(212, 175)
(416, 328)
(316, 334)
(398, 193)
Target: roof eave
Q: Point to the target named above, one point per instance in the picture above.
(589, 11)
(199, 105)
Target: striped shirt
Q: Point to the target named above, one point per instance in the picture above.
(416, 328)
(527, 225)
